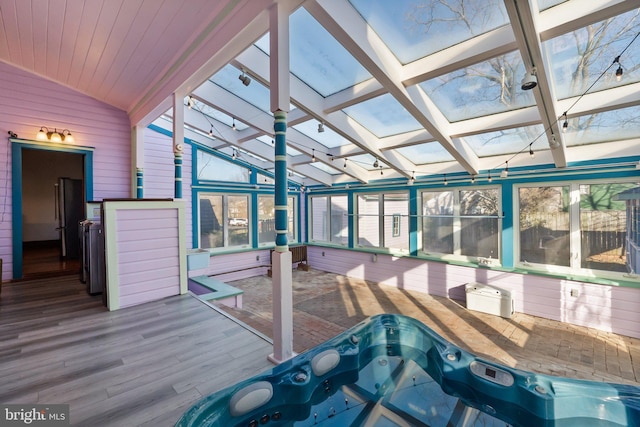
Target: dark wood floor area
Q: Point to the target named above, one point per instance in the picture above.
(42, 260)
(138, 366)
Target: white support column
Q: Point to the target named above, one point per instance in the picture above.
(137, 161)
(282, 281)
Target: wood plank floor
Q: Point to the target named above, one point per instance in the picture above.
(138, 366)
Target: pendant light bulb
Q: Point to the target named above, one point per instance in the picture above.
(505, 171)
(445, 182)
(313, 155)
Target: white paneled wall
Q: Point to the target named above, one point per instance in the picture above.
(608, 308)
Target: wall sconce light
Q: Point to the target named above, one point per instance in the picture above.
(55, 135)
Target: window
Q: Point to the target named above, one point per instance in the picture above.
(479, 228)
(577, 227)
(603, 227)
(383, 220)
(213, 168)
(544, 225)
(267, 220)
(464, 223)
(224, 221)
(395, 225)
(329, 220)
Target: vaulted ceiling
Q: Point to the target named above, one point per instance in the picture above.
(402, 89)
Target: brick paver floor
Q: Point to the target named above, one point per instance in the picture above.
(326, 304)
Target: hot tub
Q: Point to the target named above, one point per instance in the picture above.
(392, 370)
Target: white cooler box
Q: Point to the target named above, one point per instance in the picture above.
(489, 299)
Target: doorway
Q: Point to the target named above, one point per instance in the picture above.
(51, 186)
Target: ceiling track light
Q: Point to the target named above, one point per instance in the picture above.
(505, 171)
(320, 127)
(530, 80)
(246, 80)
(55, 135)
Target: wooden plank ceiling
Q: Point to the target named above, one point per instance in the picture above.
(117, 51)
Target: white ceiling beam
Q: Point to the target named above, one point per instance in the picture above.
(310, 101)
(575, 14)
(348, 27)
(477, 49)
(353, 95)
(523, 24)
(236, 107)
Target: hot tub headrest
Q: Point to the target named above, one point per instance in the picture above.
(250, 397)
(325, 361)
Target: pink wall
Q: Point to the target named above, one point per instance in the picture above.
(608, 308)
(159, 172)
(148, 255)
(28, 102)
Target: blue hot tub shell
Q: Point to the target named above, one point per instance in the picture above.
(393, 370)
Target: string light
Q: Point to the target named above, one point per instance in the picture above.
(313, 155)
(233, 126)
(473, 179)
(489, 179)
(345, 162)
(445, 180)
(531, 153)
(505, 171)
(619, 71)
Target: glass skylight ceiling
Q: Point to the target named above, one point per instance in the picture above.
(442, 74)
(574, 72)
(507, 141)
(429, 152)
(481, 89)
(413, 29)
(383, 116)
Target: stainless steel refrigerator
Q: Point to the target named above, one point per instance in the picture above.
(69, 211)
